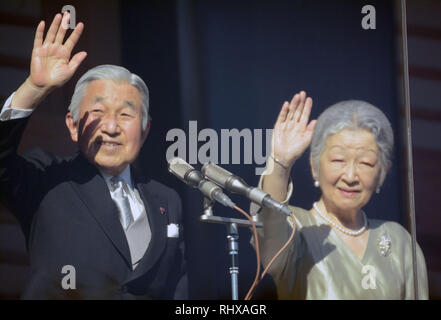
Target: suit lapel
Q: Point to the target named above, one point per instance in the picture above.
(93, 191)
(158, 226)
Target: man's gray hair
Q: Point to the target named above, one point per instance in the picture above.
(110, 72)
(355, 115)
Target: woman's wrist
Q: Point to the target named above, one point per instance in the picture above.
(276, 180)
(281, 163)
(278, 168)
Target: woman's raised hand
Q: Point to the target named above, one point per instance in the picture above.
(292, 133)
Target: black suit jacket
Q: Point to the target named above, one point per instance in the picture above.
(69, 219)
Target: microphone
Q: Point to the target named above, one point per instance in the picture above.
(195, 179)
(236, 184)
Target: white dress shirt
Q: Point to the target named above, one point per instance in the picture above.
(9, 113)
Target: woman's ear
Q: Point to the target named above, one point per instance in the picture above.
(384, 174)
(71, 125)
(312, 167)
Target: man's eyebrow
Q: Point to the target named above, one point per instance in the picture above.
(98, 99)
(130, 104)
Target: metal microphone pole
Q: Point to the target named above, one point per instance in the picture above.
(233, 247)
(232, 225)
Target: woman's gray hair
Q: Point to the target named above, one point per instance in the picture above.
(110, 72)
(353, 114)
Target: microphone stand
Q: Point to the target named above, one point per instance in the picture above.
(232, 238)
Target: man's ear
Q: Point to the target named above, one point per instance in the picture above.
(389, 165)
(71, 125)
(145, 133)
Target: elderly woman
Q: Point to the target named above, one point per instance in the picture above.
(337, 251)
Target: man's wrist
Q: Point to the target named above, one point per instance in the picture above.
(28, 96)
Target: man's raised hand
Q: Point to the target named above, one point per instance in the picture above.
(51, 64)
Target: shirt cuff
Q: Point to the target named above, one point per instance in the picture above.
(9, 113)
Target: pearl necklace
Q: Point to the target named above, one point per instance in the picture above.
(344, 230)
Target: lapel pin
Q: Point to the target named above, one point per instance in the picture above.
(162, 210)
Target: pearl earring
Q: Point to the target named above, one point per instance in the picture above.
(378, 190)
(316, 183)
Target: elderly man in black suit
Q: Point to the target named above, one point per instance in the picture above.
(93, 214)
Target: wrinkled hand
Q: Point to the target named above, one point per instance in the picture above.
(51, 65)
(292, 134)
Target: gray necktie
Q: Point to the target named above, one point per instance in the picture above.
(119, 193)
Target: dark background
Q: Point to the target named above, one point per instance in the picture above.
(231, 64)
